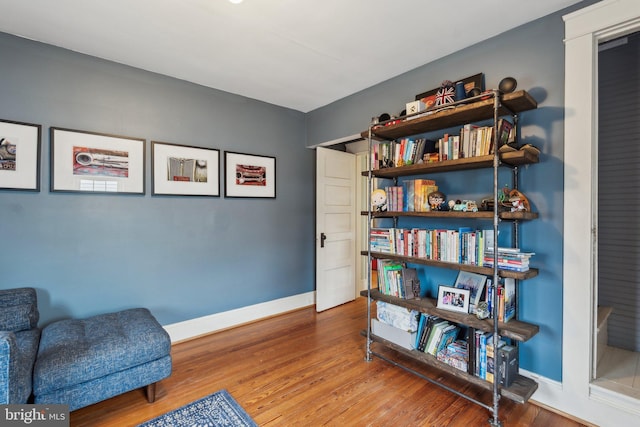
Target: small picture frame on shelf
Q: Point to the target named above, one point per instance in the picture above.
(474, 283)
(453, 299)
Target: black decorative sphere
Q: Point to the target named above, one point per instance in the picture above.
(508, 85)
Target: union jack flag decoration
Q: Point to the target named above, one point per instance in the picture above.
(446, 95)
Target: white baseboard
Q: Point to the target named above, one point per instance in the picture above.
(599, 407)
(193, 328)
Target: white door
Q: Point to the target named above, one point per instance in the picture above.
(335, 228)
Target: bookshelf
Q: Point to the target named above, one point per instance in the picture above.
(458, 114)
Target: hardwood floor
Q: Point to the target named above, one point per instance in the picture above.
(308, 369)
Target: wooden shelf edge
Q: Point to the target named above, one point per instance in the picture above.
(512, 158)
(520, 391)
(509, 216)
(454, 115)
(487, 271)
(514, 329)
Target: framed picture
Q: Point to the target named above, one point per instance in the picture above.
(96, 163)
(454, 299)
(474, 283)
(19, 156)
(184, 170)
(248, 175)
(471, 82)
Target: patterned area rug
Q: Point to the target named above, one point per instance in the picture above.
(217, 409)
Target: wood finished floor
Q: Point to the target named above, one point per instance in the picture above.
(308, 369)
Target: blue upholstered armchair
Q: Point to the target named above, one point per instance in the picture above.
(19, 340)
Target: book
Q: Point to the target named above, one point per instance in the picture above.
(456, 355)
(449, 335)
(485, 337)
(504, 131)
(509, 299)
(430, 320)
(428, 335)
(434, 337)
(491, 359)
(421, 325)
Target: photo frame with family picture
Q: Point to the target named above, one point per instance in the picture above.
(453, 299)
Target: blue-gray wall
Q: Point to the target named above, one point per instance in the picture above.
(182, 257)
(188, 257)
(534, 55)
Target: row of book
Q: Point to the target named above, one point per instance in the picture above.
(492, 365)
(472, 141)
(405, 151)
(411, 196)
(506, 299)
(434, 334)
(456, 354)
(395, 279)
(469, 350)
(445, 340)
(463, 246)
(508, 259)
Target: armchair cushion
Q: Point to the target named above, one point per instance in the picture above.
(16, 318)
(18, 309)
(19, 339)
(17, 355)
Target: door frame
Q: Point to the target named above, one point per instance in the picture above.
(585, 29)
(354, 144)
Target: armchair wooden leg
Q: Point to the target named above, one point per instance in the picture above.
(151, 393)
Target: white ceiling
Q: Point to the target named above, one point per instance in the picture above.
(300, 54)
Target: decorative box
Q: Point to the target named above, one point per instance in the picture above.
(395, 335)
(415, 107)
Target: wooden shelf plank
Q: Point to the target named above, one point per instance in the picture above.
(514, 329)
(449, 116)
(456, 214)
(511, 158)
(520, 391)
(487, 271)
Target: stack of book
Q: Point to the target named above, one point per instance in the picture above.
(491, 365)
(382, 240)
(508, 259)
(473, 141)
(506, 300)
(405, 151)
(434, 334)
(395, 198)
(415, 194)
(463, 246)
(396, 280)
(456, 354)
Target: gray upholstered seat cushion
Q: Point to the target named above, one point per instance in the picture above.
(77, 351)
(19, 337)
(20, 349)
(19, 309)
